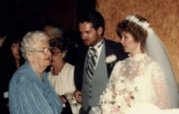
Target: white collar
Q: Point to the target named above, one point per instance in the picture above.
(98, 45)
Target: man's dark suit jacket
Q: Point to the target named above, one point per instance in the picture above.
(111, 48)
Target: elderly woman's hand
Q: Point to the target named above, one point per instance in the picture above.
(63, 99)
(78, 97)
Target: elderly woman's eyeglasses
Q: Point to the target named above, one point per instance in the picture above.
(44, 50)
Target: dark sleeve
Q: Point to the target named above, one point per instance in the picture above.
(78, 73)
(115, 48)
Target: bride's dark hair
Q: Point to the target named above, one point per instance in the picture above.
(137, 31)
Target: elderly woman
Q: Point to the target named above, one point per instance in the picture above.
(30, 91)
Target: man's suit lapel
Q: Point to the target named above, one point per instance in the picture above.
(108, 52)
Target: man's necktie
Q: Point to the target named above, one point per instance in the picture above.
(91, 62)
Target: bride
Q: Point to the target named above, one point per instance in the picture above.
(139, 79)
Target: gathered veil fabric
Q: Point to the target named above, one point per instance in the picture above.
(158, 52)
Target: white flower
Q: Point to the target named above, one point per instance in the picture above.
(144, 24)
(111, 58)
(108, 96)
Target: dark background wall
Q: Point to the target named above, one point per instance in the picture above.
(24, 15)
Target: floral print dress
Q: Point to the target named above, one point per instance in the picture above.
(134, 81)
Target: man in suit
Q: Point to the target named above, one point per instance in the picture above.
(107, 53)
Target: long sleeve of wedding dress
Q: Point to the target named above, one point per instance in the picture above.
(159, 85)
(106, 99)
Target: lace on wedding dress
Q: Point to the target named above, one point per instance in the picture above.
(159, 85)
(133, 81)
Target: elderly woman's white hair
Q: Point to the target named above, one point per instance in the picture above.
(30, 39)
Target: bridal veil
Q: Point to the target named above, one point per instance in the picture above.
(158, 52)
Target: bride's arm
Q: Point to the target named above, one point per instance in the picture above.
(106, 98)
(160, 87)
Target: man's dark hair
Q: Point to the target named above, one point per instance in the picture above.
(95, 18)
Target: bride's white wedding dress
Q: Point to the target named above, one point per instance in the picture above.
(134, 81)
